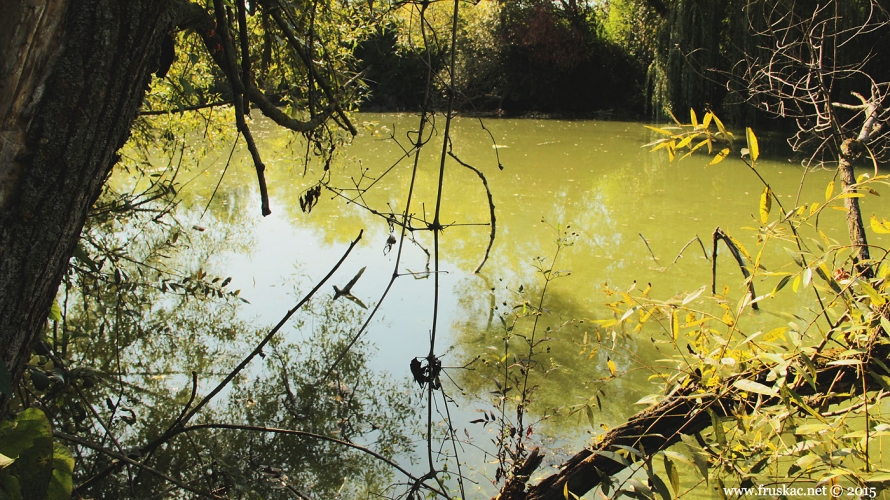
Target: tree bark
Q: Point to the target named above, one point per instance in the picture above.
(850, 151)
(73, 78)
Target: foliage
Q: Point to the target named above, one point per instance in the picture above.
(773, 434)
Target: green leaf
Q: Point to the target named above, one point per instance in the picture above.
(660, 487)
(752, 386)
(673, 476)
(873, 294)
(717, 425)
(753, 148)
(81, 255)
(29, 440)
(55, 313)
(61, 484)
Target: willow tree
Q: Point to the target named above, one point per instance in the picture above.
(73, 76)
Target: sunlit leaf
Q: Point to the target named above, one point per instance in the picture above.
(753, 148)
(693, 118)
(748, 385)
(660, 130)
(766, 203)
(720, 157)
(876, 298)
(829, 190)
(881, 227)
(612, 367)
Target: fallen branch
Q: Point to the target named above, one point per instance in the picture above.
(687, 410)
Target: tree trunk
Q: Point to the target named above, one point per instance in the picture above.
(850, 151)
(72, 79)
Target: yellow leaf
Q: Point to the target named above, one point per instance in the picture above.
(675, 118)
(693, 117)
(829, 190)
(766, 201)
(612, 367)
(706, 121)
(752, 144)
(814, 207)
(880, 227)
(720, 127)
(660, 130)
(686, 140)
(720, 157)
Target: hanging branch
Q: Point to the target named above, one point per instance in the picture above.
(734, 250)
(274, 10)
(245, 50)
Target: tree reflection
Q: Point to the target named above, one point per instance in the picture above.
(143, 330)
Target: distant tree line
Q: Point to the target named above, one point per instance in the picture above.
(630, 58)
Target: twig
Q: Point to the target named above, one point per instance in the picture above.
(654, 258)
(490, 208)
(679, 255)
(720, 235)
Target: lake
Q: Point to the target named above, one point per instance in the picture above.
(625, 215)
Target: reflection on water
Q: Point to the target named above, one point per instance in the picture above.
(633, 211)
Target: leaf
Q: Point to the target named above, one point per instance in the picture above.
(706, 121)
(880, 227)
(748, 385)
(829, 190)
(673, 475)
(876, 298)
(766, 203)
(720, 157)
(60, 485)
(55, 314)
(806, 429)
(693, 118)
(719, 435)
(675, 324)
(612, 367)
(752, 144)
(720, 127)
(693, 295)
(81, 255)
(590, 417)
(660, 130)
(685, 141)
(784, 281)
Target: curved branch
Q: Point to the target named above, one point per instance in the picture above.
(490, 209)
